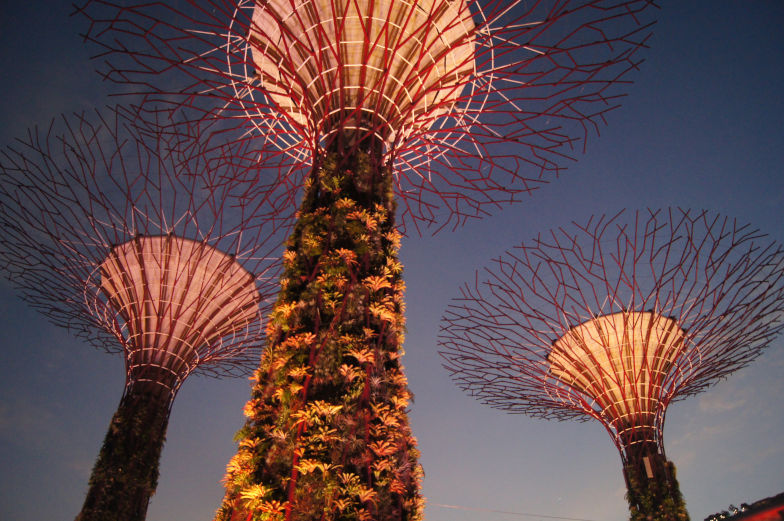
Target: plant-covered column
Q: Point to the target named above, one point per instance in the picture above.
(327, 435)
(653, 492)
(126, 473)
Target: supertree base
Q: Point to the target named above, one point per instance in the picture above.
(125, 475)
(653, 492)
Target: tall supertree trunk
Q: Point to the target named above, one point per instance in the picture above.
(126, 473)
(327, 435)
(653, 492)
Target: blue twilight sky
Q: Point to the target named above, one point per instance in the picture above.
(703, 127)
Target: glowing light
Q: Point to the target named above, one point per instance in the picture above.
(174, 297)
(362, 65)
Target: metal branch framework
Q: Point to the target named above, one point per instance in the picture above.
(111, 233)
(473, 103)
(615, 318)
(92, 203)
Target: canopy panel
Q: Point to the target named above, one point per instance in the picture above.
(619, 361)
(175, 300)
(373, 67)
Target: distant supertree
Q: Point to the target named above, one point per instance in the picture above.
(454, 106)
(111, 234)
(614, 319)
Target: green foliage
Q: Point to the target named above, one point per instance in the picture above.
(656, 499)
(327, 435)
(126, 473)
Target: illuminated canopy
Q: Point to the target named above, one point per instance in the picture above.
(620, 361)
(175, 300)
(369, 66)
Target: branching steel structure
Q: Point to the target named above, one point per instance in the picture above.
(113, 235)
(442, 88)
(613, 320)
(448, 108)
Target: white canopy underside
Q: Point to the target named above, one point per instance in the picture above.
(176, 300)
(620, 362)
(372, 66)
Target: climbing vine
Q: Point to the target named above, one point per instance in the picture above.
(327, 434)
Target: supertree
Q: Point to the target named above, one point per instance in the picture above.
(110, 233)
(449, 108)
(614, 319)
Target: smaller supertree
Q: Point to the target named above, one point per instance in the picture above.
(110, 232)
(615, 319)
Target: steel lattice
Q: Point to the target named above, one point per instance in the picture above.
(481, 115)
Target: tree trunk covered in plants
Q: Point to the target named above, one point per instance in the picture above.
(653, 492)
(327, 435)
(126, 472)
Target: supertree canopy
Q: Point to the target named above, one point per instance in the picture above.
(111, 233)
(447, 108)
(614, 319)
(440, 89)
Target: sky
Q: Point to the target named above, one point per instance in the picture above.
(700, 128)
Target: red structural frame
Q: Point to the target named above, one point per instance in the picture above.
(545, 76)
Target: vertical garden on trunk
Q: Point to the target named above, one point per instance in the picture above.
(327, 435)
(125, 475)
